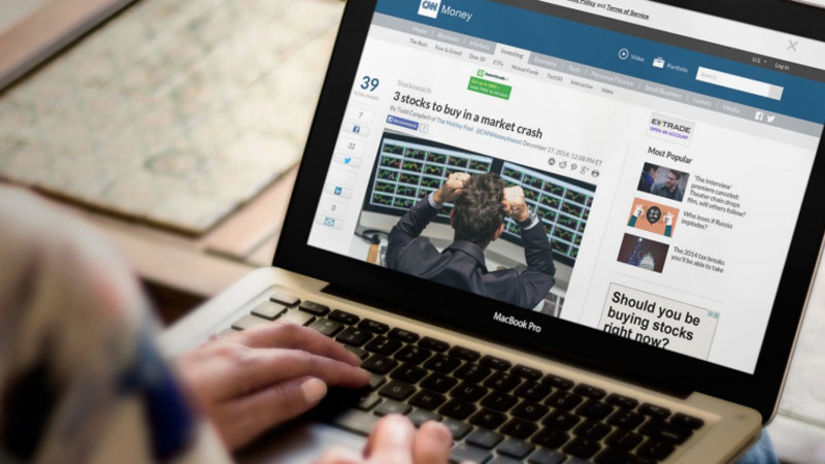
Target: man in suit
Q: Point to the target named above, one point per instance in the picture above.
(481, 204)
(670, 187)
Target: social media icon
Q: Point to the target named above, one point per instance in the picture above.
(338, 191)
(329, 222)
(347, 160)
(760, 116)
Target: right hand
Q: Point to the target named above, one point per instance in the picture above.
(394, 440)
(514, 205)
(638, 211)
(452, 188)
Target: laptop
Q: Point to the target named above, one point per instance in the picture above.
(643, 310)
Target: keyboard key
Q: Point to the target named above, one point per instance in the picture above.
(499, 401)
(502, 381)
(464, 353)
(561, 420)
(674, 434)
(408, 373)
(589, 391)
(362, 354)
(530, 411)
(344, 317)
(526, 372)
(457, 409)
(482, 438)
(624, 439)
(284, 299)
(653, 427)
(314, 308)
(621, 401)
(439, 382)
(356, 421)
(268, 310)
(412, 354)
(327, 327)
(501, 459)
(626, 419)
(379, 364)
(403, 335)
(296, 317)
(428, 400)
(515, 448)
(533, 391)
(558, 382)
(488, 419)
(593, 430)
(466, 452)
(388, 407)
(546, 456)
(248, 321)
(654, 411)
(518, 428)
(354, 336)
(457, 428)
(442, 363)
(469, 392)
(495, 363)
(433, 344)
(472, 372)
(369, 402)
(656, 449)
(685, 421)
(582, 447)
(550, 438)
(419, 416)
(613, 456)
(397, 390)
(373, 326)
(563, 400)
(383, 345)
(595, 409)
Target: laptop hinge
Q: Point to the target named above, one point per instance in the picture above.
(345, 293)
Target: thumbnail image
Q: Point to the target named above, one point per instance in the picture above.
(652, 217)
(643, 253)
(663, 182)
(473, 241)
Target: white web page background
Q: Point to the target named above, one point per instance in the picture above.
(611, 128)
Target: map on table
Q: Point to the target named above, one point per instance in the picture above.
(174, 113)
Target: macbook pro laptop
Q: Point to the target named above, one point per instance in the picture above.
(644, 311)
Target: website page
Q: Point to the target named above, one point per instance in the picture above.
(643, 189)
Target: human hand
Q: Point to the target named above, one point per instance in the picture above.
(394, 440)
(251, 381)
(669, 219)
(638, 211)
(514, 205)
(452, 188)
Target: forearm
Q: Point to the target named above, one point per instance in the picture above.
(413, 222)
(537, 251)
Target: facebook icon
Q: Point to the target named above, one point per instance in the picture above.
(429, 8)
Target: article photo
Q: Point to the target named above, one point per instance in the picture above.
(652, 217)
(663, 182)
(473, 221)
(643, 253)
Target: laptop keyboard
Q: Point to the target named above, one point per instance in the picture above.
(498, 412)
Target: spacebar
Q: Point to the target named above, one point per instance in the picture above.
(356, 421)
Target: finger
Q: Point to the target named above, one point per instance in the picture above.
(272, 406)
(283, 335)
(339, 455)
(432, 444)
(245, 370)
(391, 441)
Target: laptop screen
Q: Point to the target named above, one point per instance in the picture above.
(631, 167)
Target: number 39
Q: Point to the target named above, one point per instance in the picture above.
(369, 83)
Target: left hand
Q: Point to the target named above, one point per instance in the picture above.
(669, 219)
(251, 381)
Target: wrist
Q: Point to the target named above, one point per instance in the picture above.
(438, 198)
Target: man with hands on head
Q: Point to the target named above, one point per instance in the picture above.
(481, 202)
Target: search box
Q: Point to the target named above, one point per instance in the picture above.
(742, 84)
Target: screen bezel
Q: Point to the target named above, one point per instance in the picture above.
(414, 297)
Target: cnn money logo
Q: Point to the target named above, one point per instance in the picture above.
(429, 8)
